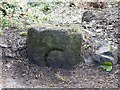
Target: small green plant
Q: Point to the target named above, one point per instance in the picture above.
(23, 33)
(45, 18)
(46, 8)
(4, 21)
(116, 2)
(107, 66)
(111, 48)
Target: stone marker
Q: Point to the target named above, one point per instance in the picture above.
(54, 47)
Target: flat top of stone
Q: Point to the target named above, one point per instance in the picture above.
(43, 28)
(46, 27)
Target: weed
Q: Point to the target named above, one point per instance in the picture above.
(46, 8)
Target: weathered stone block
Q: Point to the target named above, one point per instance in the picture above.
(54, 47)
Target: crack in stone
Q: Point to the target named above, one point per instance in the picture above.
(47, 54)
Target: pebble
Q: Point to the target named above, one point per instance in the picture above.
(98, 30)
(3, 45)
(110, 27)
(102, 49)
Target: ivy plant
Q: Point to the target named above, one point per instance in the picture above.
(107, 66)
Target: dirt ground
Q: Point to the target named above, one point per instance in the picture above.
(18, 72)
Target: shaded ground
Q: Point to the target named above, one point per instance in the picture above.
(17, 71)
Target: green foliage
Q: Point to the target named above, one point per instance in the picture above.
(107, 66)
(46, 8)
(46, 18)
(23, 33)
(116, 2)
(22, 15)
(4, 21)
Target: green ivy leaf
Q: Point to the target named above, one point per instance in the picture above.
(107, 66)
(23, 33)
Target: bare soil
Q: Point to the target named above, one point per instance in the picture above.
(18, 72)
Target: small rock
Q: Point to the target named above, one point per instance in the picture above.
(104, 54)
(103, 49)
(110, 27)
(98, 30)
(3, 45)
(71, 4)
(88, 16)
(90, 32)
(14, 48)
